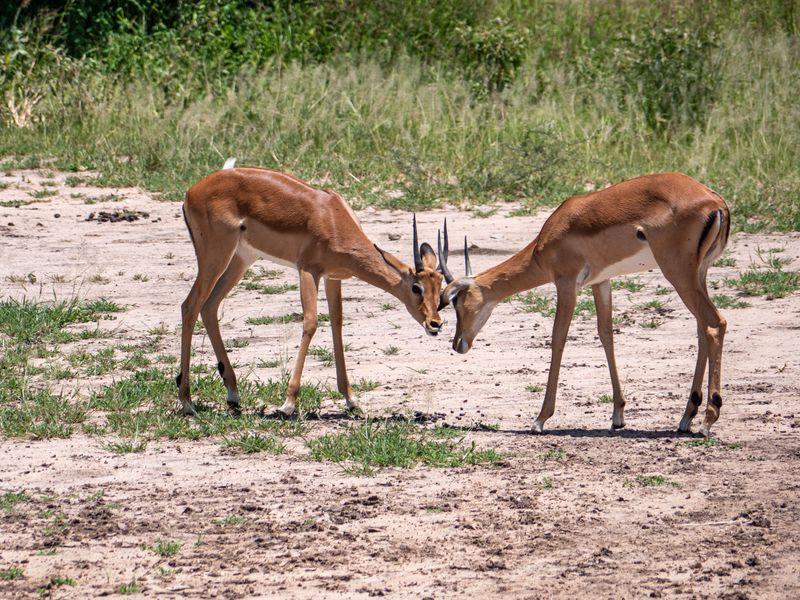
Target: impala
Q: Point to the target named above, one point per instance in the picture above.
(666, 220)
(238, 215)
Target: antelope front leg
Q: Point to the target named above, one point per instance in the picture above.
(308, 296)
(567, 298)
(333, 292)
(605, 330)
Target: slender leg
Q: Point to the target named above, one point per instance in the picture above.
(309, 287)
(210, 267)
(605, 329)
(715, 326)
(696, 395)
(209, 314)
(565, 306)
(333, 292)
(711, 328)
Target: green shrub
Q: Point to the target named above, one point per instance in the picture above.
(490, 54)
(669, 72)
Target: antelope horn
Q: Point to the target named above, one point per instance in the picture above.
(448, 276)
(467, 267)
(417, 258)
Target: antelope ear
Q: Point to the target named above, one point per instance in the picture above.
(451, 291)
(428, 256)
(393, 261)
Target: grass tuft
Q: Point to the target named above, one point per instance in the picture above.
(396, 444)
(250, 443)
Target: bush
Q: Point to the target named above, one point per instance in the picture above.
(490, 54)
(669, 73)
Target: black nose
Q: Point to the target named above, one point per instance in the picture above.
(436, 324)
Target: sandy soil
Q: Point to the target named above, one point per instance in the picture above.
(726, 525)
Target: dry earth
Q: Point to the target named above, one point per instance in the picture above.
(541, 524)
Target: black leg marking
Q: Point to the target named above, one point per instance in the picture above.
(716, 400)
(178, 379)
(220, 368)
(696, 398)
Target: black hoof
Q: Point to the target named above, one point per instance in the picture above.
(276, 415)
(615, 426)
(234, 410)
(188, 410)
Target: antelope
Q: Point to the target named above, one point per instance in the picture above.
(237, 215)
(665, 220)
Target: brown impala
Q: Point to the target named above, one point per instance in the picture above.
(667, 220)
(238, 215)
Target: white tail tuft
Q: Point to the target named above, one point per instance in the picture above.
(230, 163)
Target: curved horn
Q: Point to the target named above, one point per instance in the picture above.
(467, 267)
(448, 276)
(417, 258)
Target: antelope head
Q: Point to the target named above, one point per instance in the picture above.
(472, 309)
(422, 284)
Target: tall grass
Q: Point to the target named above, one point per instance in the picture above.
(583, 110)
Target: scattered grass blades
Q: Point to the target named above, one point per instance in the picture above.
(395, 444)
(250, 443)
(11, 573)
(166, 549)
(723, 301)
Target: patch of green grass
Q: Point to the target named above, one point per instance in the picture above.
(250, 443)
(772, 282)
(11, 573)
(723, 301)
(287, 318)
(103, 198)
(26, 321)
(99, 363)
(548, 483)
(652, 323)
(127, 589)
(141, 277)
(710, 442)
(259, 273)
(651, 480)
(365, 385)
(606, 399)
(725, 261)
(585, 307)
(483, 214)
(39, 194)
(632, 285)
(237, 343)
(556, 454)
(395, 444)
(135, 360)
(268, 289)
(391, 350)
(145, 404)
(74, 180)
(15, 203)
(387, 306)
(534, 388)
(230, 520)
(10, 499)
(652, 305)
(662, 291)
(323, 355)
(533, 302)
(166, 549)
(126, 446)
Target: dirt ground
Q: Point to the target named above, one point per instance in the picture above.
(565, 515)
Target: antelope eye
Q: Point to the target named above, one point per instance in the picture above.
(417, 289)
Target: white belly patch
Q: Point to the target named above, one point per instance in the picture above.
(250, 254)
(636, 263)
